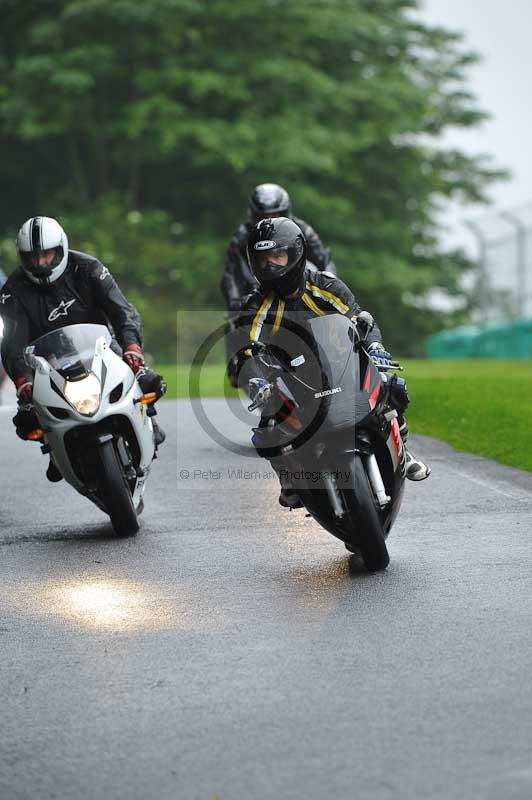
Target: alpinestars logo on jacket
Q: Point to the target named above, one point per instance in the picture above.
(61, 310)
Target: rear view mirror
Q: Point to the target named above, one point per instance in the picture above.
(365, 323)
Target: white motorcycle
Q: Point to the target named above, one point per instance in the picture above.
(93, 419)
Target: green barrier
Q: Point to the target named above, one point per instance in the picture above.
(457, 343)
(496, 340)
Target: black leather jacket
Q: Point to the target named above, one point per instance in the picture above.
(266, 317)
(238, 280)
(85, 293)
(264, 314)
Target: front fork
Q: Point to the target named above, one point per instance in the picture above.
(375, 479)
(334, 496)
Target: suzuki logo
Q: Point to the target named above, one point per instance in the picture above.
(61, 310)
(327, 392)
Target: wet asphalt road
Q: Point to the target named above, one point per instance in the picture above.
(232, 650)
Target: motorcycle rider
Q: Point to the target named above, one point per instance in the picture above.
(54, 287)
(268, 200)
(288, 294)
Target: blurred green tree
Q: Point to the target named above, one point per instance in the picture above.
(169, 111)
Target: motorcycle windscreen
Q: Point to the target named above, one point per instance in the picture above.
(70, 350)
(334, 336)
(322, 378)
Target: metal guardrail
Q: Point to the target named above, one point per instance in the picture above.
(504, 287)
(503, 292)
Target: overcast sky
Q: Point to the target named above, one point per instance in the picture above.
(502, 33)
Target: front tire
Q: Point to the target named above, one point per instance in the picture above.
(114, 491)
(367, 528)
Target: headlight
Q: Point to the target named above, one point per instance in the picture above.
(84, 395)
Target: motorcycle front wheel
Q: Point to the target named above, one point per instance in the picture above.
(368, 536)
(114, 491)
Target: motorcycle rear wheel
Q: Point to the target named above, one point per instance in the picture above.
(115, 491)
(368, 534)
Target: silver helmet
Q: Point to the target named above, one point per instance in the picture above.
(268, 200)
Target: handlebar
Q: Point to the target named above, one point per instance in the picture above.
(392, 365)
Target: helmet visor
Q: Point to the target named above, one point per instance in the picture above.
(273, 263)
(41, 262)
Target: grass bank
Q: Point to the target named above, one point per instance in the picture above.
(482, 407)
(210, 381)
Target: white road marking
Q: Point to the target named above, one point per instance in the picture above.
(492, 486)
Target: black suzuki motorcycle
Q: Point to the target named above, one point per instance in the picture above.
(328, 423)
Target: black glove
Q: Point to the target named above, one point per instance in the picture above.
(25, 421)
(398, 394)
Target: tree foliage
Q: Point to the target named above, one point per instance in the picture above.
(168, 112)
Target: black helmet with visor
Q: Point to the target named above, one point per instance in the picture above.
(277, 255)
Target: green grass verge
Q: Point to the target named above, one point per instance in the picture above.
(210, 381)
(479, 406)
(482, 407)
